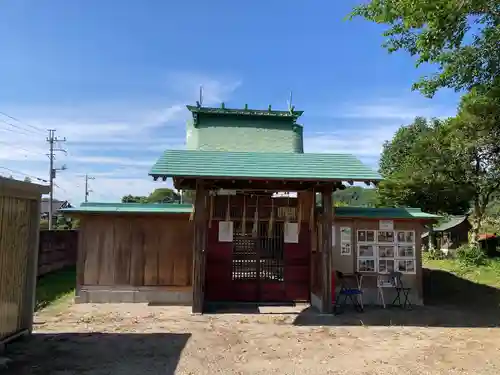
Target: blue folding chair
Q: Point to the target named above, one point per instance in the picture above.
(348, 292)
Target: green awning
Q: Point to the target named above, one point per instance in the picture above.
(383, 213)
(142, 208)
(262, 165)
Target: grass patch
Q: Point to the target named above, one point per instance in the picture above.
(487, 274)
(55, 288)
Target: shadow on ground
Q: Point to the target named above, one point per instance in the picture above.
(450, 301)
(96, 353)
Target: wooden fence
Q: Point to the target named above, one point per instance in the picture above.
(58, 249)
(19, 233)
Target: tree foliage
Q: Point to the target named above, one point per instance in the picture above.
(472, 139)
(162, 195)
(460, 37)
(355, 196)
(409, 181)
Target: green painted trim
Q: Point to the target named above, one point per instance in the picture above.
(146, 208)
(383, 213)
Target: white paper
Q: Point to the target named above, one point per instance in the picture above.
(386, 225)
(225, 231)
(291, 233)
(345, 234)
(345, 248)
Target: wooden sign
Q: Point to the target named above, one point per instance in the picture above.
(291, 233)
(225, 231)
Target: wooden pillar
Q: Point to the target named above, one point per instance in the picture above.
(327, 220)
(200, 227)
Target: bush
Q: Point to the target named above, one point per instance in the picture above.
(471, 255)
(436, 254)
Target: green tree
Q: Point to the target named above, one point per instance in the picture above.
(472, 140)
(407, 164)
(459, 37)
(27, 179)
(357, 196)
(164, 195)
(134, 199)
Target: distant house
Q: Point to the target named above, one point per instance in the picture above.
(57, 205)
(451, 234)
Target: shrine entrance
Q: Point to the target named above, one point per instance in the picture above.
(258, 263)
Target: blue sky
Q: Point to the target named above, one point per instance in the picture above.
(113, 77)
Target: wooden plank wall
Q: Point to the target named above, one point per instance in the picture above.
(136, 250)
(18, 231)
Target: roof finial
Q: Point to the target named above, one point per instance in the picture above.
(200, 102)
(222, 105)
(269, 108)
(290, 107)
(246, 107)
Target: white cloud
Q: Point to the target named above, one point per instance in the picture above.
(395, 109)
(115, 142)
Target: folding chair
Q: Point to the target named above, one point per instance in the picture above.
(402, 293)
(354, 294)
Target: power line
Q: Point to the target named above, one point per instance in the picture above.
(16, 127)
(22, 122)
(24, 174)
(52, 139)
(20, 148)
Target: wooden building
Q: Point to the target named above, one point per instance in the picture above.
(450, 234)
(19, 236)
(241, 241)
(132, 252)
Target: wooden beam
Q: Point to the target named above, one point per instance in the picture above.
(327, 220)
(199, 254)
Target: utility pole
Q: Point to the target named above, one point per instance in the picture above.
(87, 191)
(53, 140)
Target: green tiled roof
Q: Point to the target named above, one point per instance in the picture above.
(146, 208)
(262, 165)
(383, 213)
(245, 112)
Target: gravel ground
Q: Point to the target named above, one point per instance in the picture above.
(134, 339)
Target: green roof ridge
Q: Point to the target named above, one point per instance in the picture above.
(245, 112)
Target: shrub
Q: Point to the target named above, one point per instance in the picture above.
(471, 255)
(436, 254)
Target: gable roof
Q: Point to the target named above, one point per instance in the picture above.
(262, 165)
(144, 208)
(56, 205)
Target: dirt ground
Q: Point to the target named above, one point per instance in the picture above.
(139, 339)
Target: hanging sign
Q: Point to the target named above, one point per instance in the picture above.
(225, 231)
(291, 233)
(386, 225)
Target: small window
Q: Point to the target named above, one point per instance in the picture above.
(366, 251)
(366, 265)
(366, 236)
(406, 265)
(385, 265)
(406, 251)
(407, 236)
(385, 237)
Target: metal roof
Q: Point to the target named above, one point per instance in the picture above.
(383, 213)
(262, 165)
(146, 208)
